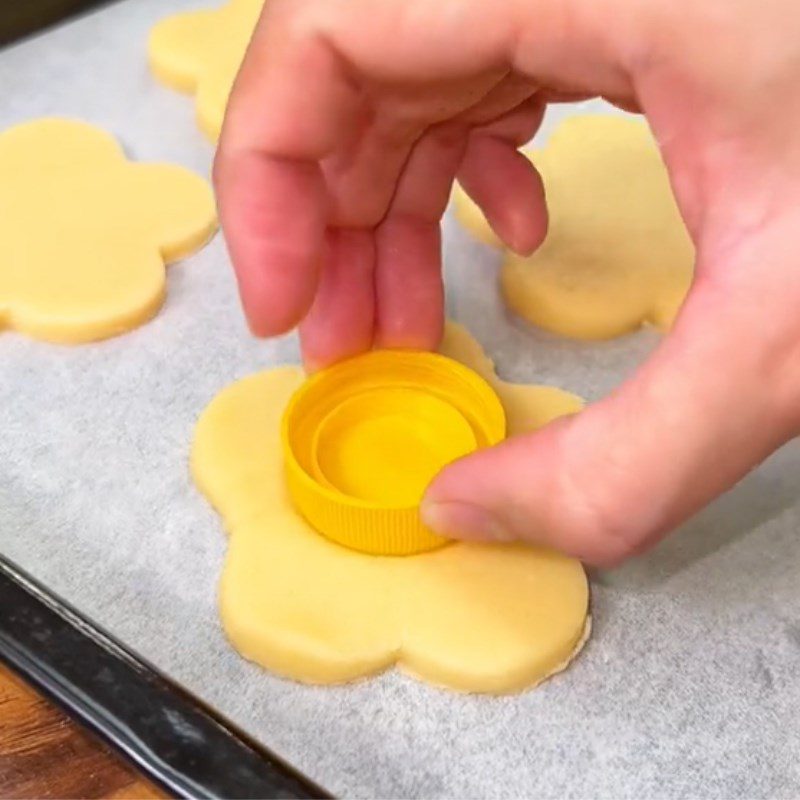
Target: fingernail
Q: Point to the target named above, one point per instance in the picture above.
(521, 244)
(464, 521)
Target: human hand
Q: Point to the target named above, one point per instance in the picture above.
(350, 120)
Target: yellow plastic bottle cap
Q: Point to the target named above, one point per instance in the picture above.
(363, 439)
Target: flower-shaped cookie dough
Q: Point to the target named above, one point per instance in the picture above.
(199, 52)
(617, 254)
(85, 234)
(482, 618)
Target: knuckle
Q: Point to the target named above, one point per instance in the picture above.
(594, 534)
(590, 513)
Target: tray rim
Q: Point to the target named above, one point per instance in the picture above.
(35, 623)
(29, 18)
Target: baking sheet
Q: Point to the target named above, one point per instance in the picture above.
(690, 685)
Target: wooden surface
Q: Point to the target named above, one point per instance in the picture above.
(43, 754)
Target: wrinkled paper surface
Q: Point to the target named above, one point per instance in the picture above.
(690, 684)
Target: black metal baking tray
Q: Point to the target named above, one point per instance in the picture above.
(173, 738)
(19, 18)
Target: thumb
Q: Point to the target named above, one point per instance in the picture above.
(718, 395)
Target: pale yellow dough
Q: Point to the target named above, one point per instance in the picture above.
(199, 52)
(85, 234)
(617, 254)
(476, 618)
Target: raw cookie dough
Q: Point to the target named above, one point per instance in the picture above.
(617, 253)
(85, 234)
(199, 52)
(477, 618)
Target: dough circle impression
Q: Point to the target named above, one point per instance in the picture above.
(617, 254)
(85, 233)
(476, 618)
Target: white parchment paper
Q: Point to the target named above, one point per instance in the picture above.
(690, 685)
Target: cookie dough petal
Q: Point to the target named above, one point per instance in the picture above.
(178, 47)
(174, 207)
(489, 618)
(575, 295)
(236, 456)
(459, 344)
(84, 295)
(304, 607)
(290, 599)
(222, 61)
(527, 407)
(201, 52)
(668, 303)
(213, 91)
(42, 145)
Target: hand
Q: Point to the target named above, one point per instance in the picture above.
(347, 125)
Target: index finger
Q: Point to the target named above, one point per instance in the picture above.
(270, 188)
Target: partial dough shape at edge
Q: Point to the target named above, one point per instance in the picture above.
(200, 51)
(85, 274)
(175, 67)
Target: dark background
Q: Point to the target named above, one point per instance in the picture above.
(21, 17)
